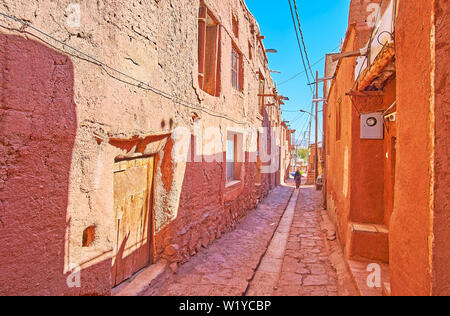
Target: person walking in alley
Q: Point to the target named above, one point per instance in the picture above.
(298, 179)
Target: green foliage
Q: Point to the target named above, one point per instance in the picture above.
(303, 154)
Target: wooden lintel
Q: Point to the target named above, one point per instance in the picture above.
(268, 95)
(365, 93)
(354, 53)
(379, 69)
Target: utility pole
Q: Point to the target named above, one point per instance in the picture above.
(316, 161)
(309, 142)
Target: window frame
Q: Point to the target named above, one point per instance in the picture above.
(261, 91)
(339, 120)
(209, 81)
(234, 175)
(235, 61)
(231, 174)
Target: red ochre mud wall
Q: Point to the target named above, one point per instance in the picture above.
(41, 227)
(441, 250)
(38, 120)
(37, 133)
(208, 208)
(419, 239)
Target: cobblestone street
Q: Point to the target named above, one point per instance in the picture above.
(278, 249)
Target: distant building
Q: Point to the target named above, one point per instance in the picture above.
(312, 164)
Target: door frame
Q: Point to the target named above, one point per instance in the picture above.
(151, 213)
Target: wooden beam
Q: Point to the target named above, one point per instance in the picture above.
(354, 53)
(365, 93)
(268, 95)
(375, 70)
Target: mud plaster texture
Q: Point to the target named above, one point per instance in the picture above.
(94, 119)
(413, 208)
(231, 266)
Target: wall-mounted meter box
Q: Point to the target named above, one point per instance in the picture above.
(372, 126)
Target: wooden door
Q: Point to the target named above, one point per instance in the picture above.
(133, 190)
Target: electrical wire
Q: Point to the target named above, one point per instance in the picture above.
(366, 59)
(109, 70)
(303, 39)
(372, 34)
(300, 46)
(303, 129)
(302, 72)
(301, 137)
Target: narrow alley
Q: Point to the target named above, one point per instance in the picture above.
(279, 249)
(224, 148)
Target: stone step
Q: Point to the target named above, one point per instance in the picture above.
(368, 242)
(143, 281)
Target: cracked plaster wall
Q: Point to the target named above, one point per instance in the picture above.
(156, 42)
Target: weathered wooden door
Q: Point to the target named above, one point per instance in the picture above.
(133, 189)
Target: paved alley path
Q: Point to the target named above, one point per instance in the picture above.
(306, 269)
(277, 249)
(225, 267)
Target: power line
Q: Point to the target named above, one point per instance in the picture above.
(303, 39)
(295, 120)
(302, 72)
(367, 59)
(303, 130)
(108, 69)
(296, 111)
(300, 46)
(301, 138)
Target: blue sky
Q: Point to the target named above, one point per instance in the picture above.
(324, 23)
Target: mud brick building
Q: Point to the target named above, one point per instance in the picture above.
(386, 143)
(310, 180)
(138, 137)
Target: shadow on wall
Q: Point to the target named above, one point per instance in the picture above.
(38, 124)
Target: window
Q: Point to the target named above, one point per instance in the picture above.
(250, 51)
(262, 83)
(258, 144)
(208, 52)
(234, 157)
(339, 120)
(236, 69)
(258, 159)
(231, 157)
